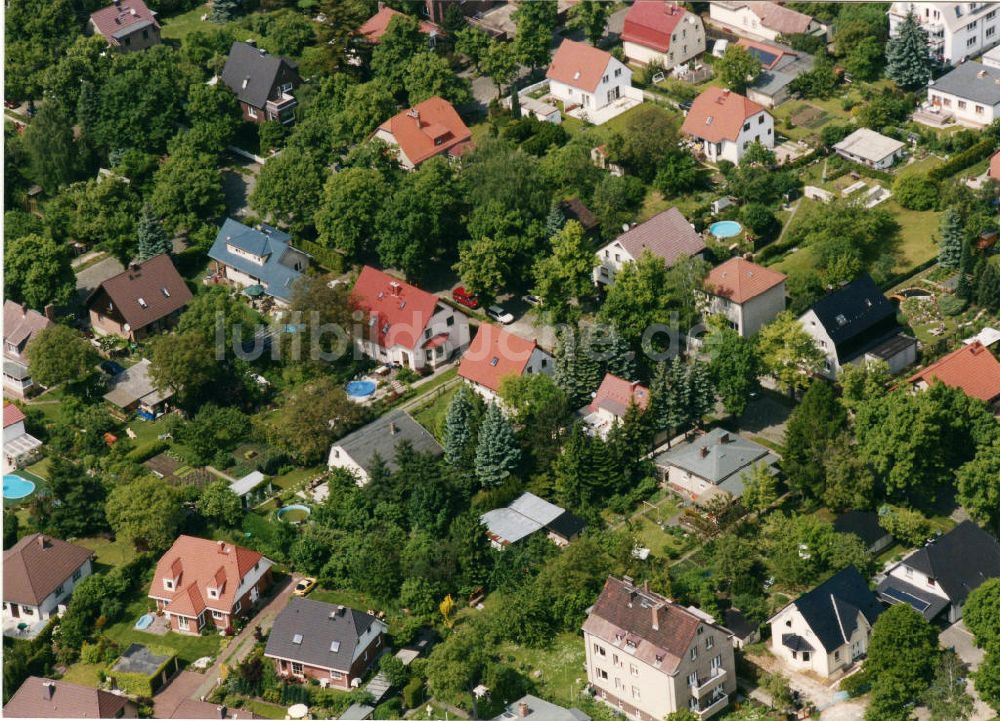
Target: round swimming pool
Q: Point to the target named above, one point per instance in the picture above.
(295, 514)
(15, 487)
(360, 389)
(725, 228)
(144, 622)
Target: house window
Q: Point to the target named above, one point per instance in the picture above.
(599, 650)
(59, 590)
(979, 109)
(709, 642)
(694, 652)
(450, 321)
(805, 655)
(930, 582)
(219, 615)
(615, 660)
(427, 334)
(990, 31)
(635, 692)
(252, 112)
(693, 703)
(717, 662)
(237, 607)
(168, 584)
(128, 41)
(618, 257)
(962, 104)
(604, 79)
(618, 72)
(336, 675)
(296, 668)
(908, 571)
(836, 655)
(693, 679)
(633, 669)
(746, 126)
(971, 41)
(601, 673)
(213, 593)
(182, 623)
(77, 573)
(760, 120)
(145, 35)
(284, 87)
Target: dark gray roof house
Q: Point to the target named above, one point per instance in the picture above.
(357, 451)
(536, 709)
(865, 525)
(324, 636)
(971, 81)
(262, 82)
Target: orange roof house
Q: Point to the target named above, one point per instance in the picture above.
(376, 26)
(748, 295)
(579, 65)
(616, 394)
(200, 581)
(972, 368)
(495, 354)
(427, 129)
(727, 123)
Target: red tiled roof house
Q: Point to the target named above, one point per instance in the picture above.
(727, 123)
(427, 129)
(584, 76)
(404, 324)
(667, 235)
(657, 31)
(126, 24)
(747, 295)
(973, 368)
(39, 574)
(763, 20)
(648, 657)
(45, 698)
(376, 26)
(201, 582)
(495, 354)
(142, 299)
(611, 402)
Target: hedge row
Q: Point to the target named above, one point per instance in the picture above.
(961, 161)
(326, 257)
(144, 453)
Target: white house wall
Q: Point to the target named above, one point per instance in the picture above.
(598, 98)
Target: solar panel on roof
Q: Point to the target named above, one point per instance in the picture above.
(764, 56)
(904, 597)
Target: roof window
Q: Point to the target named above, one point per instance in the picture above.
(166, 293)
(841, 320)
(142, 303)
(297, 638)
(335, 646)
(494, 360)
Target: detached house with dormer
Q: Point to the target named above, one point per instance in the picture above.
(667, 235)
(827, 629)
(263, 83)
(747, 295)
(726, 124)
(127, 26)
(495, 354)
(200, 582)
(261, 260)
(430, 128)
(404, 324)
(648, 657)
(583, 76)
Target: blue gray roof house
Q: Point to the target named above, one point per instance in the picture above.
(259, 256)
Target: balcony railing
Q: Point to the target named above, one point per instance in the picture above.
(712, 708)
(706, 684)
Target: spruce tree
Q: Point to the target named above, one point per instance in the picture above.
(679, 381)
(661, 408)
(515, 102)
(87, 107)
(564, 371)
(153, 239)
(497, 452)
(590, 363)
(223, 11)
(459, 432)
(950, 253)
(701, 392)
(908, 60)
(620, 357)
(555, 222)
(988, 287)
(575, 484)
(966, 269)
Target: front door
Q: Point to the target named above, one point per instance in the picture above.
(15, 611)
(254, 595)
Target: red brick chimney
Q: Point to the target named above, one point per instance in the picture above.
(656, 617)
(523, 710)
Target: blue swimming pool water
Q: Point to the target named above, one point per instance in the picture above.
(725, 228)
(15, 487)
(144, 622)
(360, 389)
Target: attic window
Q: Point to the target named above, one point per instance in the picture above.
(385, 328)
(841, 320)
(166, 293)
(335, 646)
(143, 303)
(297, 639)
(576, 75)
(709, 119)
(245, 81)
(372, 321)
(381, 294)
(493, 361)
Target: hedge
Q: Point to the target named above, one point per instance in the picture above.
(326, 257)
(137, 684)
(144, 453)
(961, 161)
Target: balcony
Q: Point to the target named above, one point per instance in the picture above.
(281, 108)
(707, 684)
(714, 707)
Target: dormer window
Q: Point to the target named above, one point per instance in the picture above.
(213, 592)
(142, 303)
(493, 361)
(166, 293)
(168, 584)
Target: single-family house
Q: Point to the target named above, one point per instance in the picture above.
(495, 354)
(973, 368)
(333, 644)
(857, 324)
(726, 123)
(955, 31)
(865, 525)
(611, 402)
(375, 27)
(539, 710)
(126, 24)
(869, 148)
(258, 258)
(713, 463)
(20, 325)
(779, 66)
(827, 629)
(263, 83)
(648, 657)
(253, 488)
(200, 582)
(404, 324)
(528, 514)
(970, 92)
(41, 697)
(747, 295)
(662, 33)
(943, 573)
(742, 630)
(133, 390)
(19, 447)
(763, 20)
(144, 298)
(39, 575)
(430, 128)
(585, 76)
(667, 235)
(360, 451)
(575, 209)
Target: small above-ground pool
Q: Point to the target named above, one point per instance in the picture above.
(144, 622)
(294, 514)
(360, 389)
(725, 228)
(15, 487)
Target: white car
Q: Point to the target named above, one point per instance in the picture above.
(499, 315)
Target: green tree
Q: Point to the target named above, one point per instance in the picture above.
(59, 354)
(682, 715)
(915, 191)
(865, 59)
(988, 286)
(536, 23)
(950, 253)
(947, 697)
(905, 524)
(289, 187)
(981, 613)
(908, 60)
(499, 63)
(979, 486)
(863, 382)
(37, 271)
(820, 82)
(316, 414)
(848, 482)
(78, 507)
(461, 428)
(540, 409)
(902, 654)
(497, 452)
(147, 513)
(429, 75)
(646, 142)
(153, 239)
(474, 44)
(564, 276)
(37, 34)
(187, 191)
(788, 353)
(223, 11)
(987, 680)
(809, 434)
(735, 367)
(590, 17)
(395, 50)
(346, 216)
(801, 550)
(760, 488)
(576, 471)
(737, 68)
(99, 212)
(49, 146)
(678, 174)
(185, 362)
(218, 503)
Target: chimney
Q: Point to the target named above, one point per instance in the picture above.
(725, 93)
(222, 711)
(341, 610)
(134, 266)
(48, 690)
(981, 74)
(118, 3)
(222, 546)
(43, 542)
(393, 429)
(523, 710)
(50, 312)
(251, 42)
(725, 438)
(703, 451)
(655, 610)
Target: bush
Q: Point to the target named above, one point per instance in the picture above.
(916, 192)
(144, 453)
(391, 709)
(962, 160)
(952, 305)
(413, 692)
(855, 685)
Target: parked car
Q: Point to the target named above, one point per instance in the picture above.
(304, 586)
(499, 315)
(462, 296)
(111, 368)
(531, 299)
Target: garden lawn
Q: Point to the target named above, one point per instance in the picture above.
(559, 666)
(187, 648)
(266, 710)
(178, 26)
(660, 543)
(109, 553)
(917, 230)
(84, 674)
(298, 476)
(433, 414)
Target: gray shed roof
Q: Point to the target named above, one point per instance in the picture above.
(972, 81)
(525, 515)
(246, 484)
(866, 143)
(134, 384)
(383, 437)
(319, 634)
(718, 457)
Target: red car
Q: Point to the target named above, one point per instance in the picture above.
(462, 296)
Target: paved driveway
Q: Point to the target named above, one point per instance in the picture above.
(959, 638)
